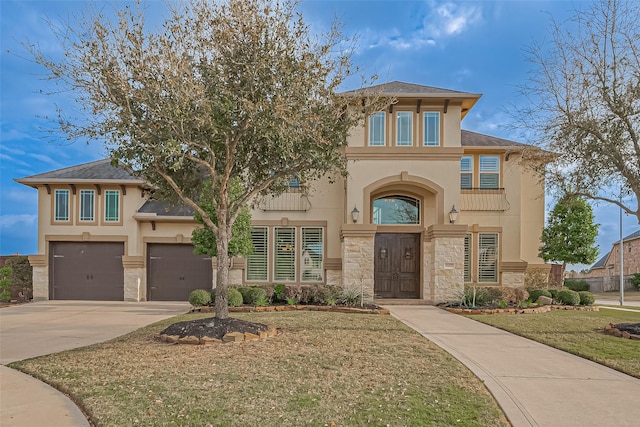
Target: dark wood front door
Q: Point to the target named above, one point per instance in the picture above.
(397, 265)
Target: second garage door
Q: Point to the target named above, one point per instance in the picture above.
(174, 271)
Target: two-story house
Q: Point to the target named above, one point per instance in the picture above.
(426, 208)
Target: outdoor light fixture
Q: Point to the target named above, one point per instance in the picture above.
(355, 213)
(453, 215)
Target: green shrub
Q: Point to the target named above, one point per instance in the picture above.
(534, 294)
(482, 296)
(253, 295)
(199, 297)
(234, 299)
(268, 290)
(586, 298)
(553, 292)
(244, 290)
(5, 284)
(350, 296)
(292, 291)
(576, 285)
(568, 297)
(278, 292)
(635, 281)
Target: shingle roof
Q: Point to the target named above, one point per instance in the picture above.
(473, 139)
(633, 235)
(162, 208)
(601, 262)
(100, 170)
(409, 89)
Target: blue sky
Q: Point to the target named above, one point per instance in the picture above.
(472, 46)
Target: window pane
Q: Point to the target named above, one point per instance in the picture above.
(432, 128)
(489, 180)
(404, 128)
(466, 164)
(87, 198)
(257, 263)
(285, 246)
(376, 128)
(61, 207)
(466, 180)
(311, 261)
(112, 205)
(467, 258)
(488, 257)
(489, 164)
(396, 210)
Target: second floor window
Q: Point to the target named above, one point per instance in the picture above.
(404, 128)
(112, 205)
(432, 128)
(466, 172)
(61, 205)
(377, 129)
(489, 171)
(87, 203)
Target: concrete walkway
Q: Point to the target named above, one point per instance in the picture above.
(535, 385)
(36, 329)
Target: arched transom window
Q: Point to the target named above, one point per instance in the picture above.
(396, 209)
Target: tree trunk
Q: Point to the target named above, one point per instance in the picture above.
(222, 273)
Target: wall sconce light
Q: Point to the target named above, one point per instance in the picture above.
(355, 213)
(453, 215)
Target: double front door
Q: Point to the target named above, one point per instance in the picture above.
(397, 265)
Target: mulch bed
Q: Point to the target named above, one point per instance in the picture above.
(213, 327)
(512, 310)
(624, 330)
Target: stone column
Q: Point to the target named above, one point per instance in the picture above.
(358, 257)
(447, 261)
(513, 273)
(40, 266)
(135, 278)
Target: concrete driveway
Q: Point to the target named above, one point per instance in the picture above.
(40, 328)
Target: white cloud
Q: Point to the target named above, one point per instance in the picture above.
(45, 159)
(17, 221)
(452, 18)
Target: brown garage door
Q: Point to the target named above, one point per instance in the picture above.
(174, 271)
(86, 271)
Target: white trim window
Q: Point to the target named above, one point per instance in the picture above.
(404, 128)
(467, 258)
(490, 172)
(466, 172)
(87, 205)
(312, 269)
(285, 254)
(258, 261)
(61, 205)
(488, 257)
(431, 128)
(112, 205)
(377, 129)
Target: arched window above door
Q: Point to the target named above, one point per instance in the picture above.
(396, 209)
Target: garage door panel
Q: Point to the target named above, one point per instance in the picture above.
(174, 271)
(87, 271)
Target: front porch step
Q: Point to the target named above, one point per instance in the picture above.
(399, 301)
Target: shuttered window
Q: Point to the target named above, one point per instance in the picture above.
(466, 172)
(377, 129)
(488, 257)
(112, 205)
(61, 205)
(87, 204)
(257, 262)
(432, 128)
(489, 171)
(467, 258)
(404, 128)
(311, 259)
(285, 254)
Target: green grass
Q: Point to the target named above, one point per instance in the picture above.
(577, 332)
(324, 369)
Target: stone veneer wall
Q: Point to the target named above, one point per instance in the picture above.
(334, 277)
(134, 281)
(40, 283)
(512, 279)
(428, 291)
(448, 268)
(357, 263)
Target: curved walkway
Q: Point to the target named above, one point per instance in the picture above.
(40, 328)
(535, 385)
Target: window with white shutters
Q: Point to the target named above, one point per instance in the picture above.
(489, 171)
(285, 254)
(257, 262)
(311, 257)
(488, 257)
(467, 258)
(466, 172)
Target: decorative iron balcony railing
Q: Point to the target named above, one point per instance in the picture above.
(484, 199)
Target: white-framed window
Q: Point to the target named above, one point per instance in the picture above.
(87, 205)
(112, 205)
(404, 128)
(431, 136)
(466, 172)
(311, 259)
(377, 129)
(258, 261)
(488, 257)
(285, 254)
(489, 172)
(61, 205)
(467, 258)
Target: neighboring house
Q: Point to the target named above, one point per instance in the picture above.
(385, 227)
(604, 275)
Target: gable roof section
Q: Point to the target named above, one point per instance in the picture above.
(474, 139)
(163, 208)
(602, 261)
(100, 171)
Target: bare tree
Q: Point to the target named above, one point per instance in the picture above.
(239, 90)
(584, 103)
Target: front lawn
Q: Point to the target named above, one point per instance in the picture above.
(577, 332)
(325, 369)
